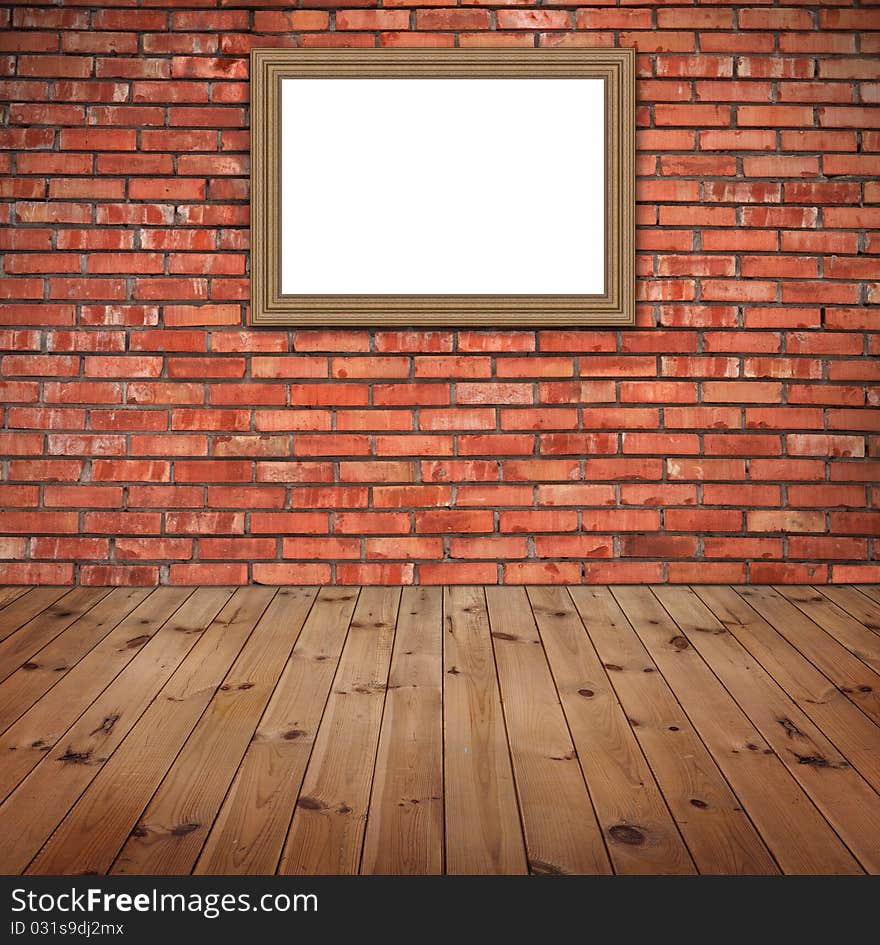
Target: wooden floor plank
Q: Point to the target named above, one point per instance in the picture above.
(869, 590)
(800, 838)
(91, 835)
(41, 801)
(170, 833)
(854, 734)
(12, 592)
(20, 646)
(21, 689)
(483, 830)
(561, 831)
(640, 832)
(856, 604)
(858, 639)
(720, 836)
(404, 833)
(843, 797)
(859, 683)
(28, 606)
(25, 743)
(645, 730)
(250, 829)
(327, 832)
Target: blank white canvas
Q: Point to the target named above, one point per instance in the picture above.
(442, 186)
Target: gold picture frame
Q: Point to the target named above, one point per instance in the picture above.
(612, 307)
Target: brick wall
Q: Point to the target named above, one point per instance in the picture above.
(148, 435)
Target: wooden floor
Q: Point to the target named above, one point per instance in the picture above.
(429, 730)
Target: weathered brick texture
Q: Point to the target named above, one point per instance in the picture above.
(147, 435)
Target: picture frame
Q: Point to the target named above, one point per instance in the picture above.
(383, 194)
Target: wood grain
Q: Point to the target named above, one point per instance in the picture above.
(799, 837)
(858, 639)
(19, 647)
(21, 689)
(249, 833)
(11, 593)
(91, 835)
(718, 832)
(405, 824)
(854, 734)
(483, 832)
(194, 788)
(545, 764)
(845, 799)
(426, 730)
(327, 832)
(855, 603)
(871, 591)
(25, 743)
(41, 801)
(28, 606)
(859, 683)
(641, 835)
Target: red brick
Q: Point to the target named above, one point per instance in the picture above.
(766, 572)
(539, 520)
(204, 523)
(497, 38)
(400, 496)
(782, 469)
(265, 573)
(542, 572)
(213, 573)
(384, 573)
(703, 520)
(827, 495)
(700, 469)
(289, 20)
(500, 393)
(153, 549)
(576, 494)
(77, 548)
(862, 522)
(454, 520)
(107, 575)
(730, 547)
(288, 472)
(574, 546)
(624, 572)
(256, 497)
(493, 496)
(817, 548)
(665, 494)
(168, 446)
(620, 520)
(747, 494)
(661, 443)
(658, 546)
(458, 573)
(326, 548)
(490, 546)
(122, 523)
(408, 548)
(408, 39)
(374, 20)
(785, 521)
(502, 444)
(15, 548)
(535, 469)
(703, 572)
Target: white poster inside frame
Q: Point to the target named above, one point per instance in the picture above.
(519, 209)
